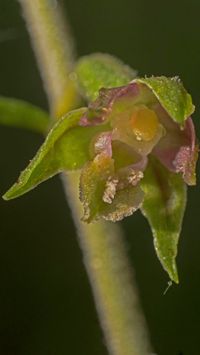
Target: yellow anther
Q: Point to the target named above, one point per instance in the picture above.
(144, 123)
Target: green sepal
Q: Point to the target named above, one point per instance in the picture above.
(92, 185)
(97, 178)
(17, 113)
(65, 148)
(125, 203)
(164, 206)
(100, 70)
(172, 95)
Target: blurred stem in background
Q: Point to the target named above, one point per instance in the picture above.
(102, 243)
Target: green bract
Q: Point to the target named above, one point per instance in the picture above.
(100, 70)
(172, 96)
(135, 146)
(65, 148)
(164, 206)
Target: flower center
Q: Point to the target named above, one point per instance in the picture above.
(144, 123)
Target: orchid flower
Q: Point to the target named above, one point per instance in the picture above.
(135, 147)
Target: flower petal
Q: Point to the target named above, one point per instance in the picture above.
(127, 96)
(177, 150)
(107, 194)
(128, 111)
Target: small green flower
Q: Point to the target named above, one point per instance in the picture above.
(135, 147)
(137, 126)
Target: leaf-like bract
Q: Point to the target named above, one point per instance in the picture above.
(164, 206)
(100, 70)
(172, 95)
(65, 148)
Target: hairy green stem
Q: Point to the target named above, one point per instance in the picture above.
(111, 278)
(102, 243)
(54, 50)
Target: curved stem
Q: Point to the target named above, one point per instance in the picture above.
(102, 243)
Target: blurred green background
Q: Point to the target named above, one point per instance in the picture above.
(46, 306)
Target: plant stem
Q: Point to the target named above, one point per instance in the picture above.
(102, 243)
(53, 48)
(112, 280)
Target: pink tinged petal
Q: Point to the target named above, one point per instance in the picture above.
(177, 150)
(185, 163)
(99, 108)
(103, 144)
(117, 106)
(103, 107)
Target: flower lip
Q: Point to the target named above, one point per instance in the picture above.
(144, 123)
